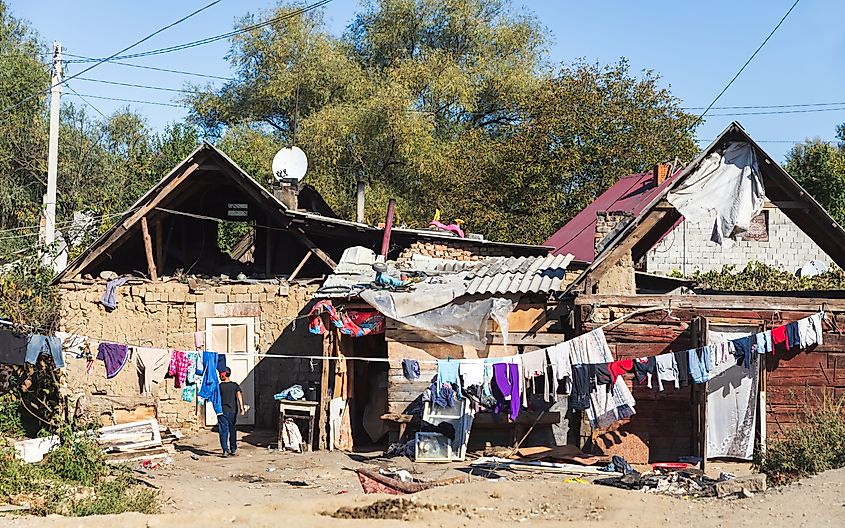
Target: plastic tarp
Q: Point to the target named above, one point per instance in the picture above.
(727, 189)
(460, 323)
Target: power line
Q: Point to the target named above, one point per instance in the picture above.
(100, 61)
(222, 36)
(725, 89)
(154, 68)
(122, 100)
(801, 105)
(146, 86)
(780, 112)
(69, 87)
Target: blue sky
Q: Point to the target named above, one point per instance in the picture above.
(695, 47)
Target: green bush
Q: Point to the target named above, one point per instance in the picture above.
(74, 480)
(815, 444)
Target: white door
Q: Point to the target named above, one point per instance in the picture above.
(235, 337)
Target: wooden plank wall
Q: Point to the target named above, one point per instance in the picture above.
(796, 382)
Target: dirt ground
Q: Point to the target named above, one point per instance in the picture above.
(262, 487)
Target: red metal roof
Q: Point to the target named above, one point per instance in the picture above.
(631, 194)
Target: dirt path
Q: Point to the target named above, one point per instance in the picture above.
(266, 488)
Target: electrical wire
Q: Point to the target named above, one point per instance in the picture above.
(752, 107)
(222, 36)
(155, 68)
(69, 87)
(114, 55)
(145, 86)
(735, 77)
(782, 112)
(122, 100)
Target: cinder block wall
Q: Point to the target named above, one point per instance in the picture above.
(166, 315)
(788, 248)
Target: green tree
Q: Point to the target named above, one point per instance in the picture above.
(820, 168)
(444, 104)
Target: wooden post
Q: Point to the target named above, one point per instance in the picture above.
(148, 249)
(300, 265)
(328, 343)
(159, 245)
(268, 252)
(762, 400)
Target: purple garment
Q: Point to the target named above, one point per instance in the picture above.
(506, 376)
(114, 356)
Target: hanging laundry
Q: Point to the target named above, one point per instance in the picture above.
(114, 356)
(411, 369)
(355, 323)
(447, 372)
(12, 348)
(189, 393)
(810, 331)
(221, 362)
(561, 364)
(699, 364)
(744, 348)
(644, 369)
(666, 369)
(210, 387)
(602, 374)
(619, 367)
(109, 298)
(472, 373)
(793, 337)
(74, 345)
(682, 361)
(199, 339)
(534, 365)
(582, 385)
(39, 344)
(191, 375)
(178, 368)
(779, 337)
(440, 394)
(151, 364)
(508, 383)
(764, 342)
(606, 407)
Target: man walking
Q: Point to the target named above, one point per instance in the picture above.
(232, 402)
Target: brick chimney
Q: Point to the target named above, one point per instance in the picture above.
(606, 223)
(288, 194)
(660, 172)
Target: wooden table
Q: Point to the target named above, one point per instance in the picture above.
(298, 410)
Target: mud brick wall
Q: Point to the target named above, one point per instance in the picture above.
(448, 250)
(165, 314)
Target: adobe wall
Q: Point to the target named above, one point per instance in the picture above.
(788, 248)
(165, 315)
(449, 250)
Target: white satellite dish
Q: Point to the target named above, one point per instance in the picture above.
(813, 268)
(290, 164)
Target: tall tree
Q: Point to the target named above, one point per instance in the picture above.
(443, 104)
(820, 168)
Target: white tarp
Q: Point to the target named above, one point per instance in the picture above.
(727, 189)
(731, 402)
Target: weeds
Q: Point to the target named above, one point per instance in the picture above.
(813, 445)
(74, 480)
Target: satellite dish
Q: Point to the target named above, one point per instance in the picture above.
(290, 164)
(813, 268)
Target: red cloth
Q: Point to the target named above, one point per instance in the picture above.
(779, 336)
(179, 365)
(617, 368)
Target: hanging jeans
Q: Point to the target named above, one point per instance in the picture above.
(506, 376)
(226, 424)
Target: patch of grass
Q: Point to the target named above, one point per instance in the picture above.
(813, 445)
(10, 417)
(74, 480)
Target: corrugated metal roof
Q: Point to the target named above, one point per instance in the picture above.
(518, 275)
(630, 194)
(495, 275)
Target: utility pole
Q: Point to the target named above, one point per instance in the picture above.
(53, 147)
